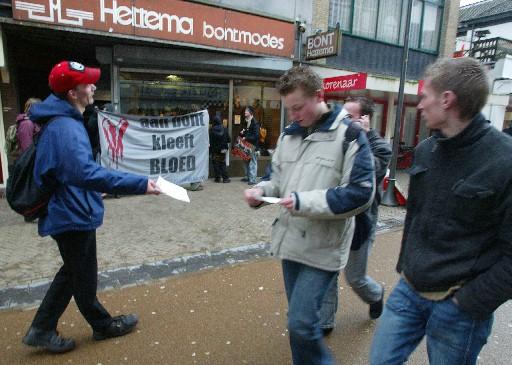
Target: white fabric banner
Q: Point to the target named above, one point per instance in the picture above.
(175, 148)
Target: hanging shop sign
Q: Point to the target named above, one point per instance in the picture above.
(345, 83)
(323, 45)
(172, 20)
(175, 148)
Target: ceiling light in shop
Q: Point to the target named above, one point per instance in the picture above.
(173, 78)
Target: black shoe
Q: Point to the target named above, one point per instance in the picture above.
(377, 307)
(217, 180)
(244, 179)
(228, 180)
(49, 340)
(251, 183)
(327, 331)
(120, 326)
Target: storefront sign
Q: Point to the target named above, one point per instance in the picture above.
(323, 45)
(345, 83)
(172, 20)
(175, 148)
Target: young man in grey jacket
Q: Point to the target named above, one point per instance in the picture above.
(456, 256)
(321, 186)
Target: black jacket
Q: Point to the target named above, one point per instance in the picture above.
(366, 221)
(219, 138)
(252, 134)
(458, 228)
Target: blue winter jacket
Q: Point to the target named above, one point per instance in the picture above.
(64, 158)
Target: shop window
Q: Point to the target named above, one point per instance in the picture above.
(340, 12)
(365, 18)
(409, 126)
(378, 115)
(265, 100)
(170, 95)
(384, 20)
(431, 25)
(388, 26)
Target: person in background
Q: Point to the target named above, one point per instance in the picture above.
(219, 139)
(26, 129)
(252, 135)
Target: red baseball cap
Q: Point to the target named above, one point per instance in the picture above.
(66, 75)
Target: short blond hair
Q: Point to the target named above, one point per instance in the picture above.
(466, 78)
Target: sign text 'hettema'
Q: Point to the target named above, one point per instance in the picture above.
(172, 20)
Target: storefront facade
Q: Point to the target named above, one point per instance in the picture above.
(157, 58)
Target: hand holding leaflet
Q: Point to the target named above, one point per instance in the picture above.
(173, 190)
(269, 199)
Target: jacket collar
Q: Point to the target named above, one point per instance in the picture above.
(476, 129)
(326, 125)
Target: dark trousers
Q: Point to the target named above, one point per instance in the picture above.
(219, 167)
(78, 278)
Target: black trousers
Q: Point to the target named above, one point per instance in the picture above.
(78, 277)
(219, 166)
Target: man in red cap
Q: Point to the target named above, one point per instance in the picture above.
(64, 164)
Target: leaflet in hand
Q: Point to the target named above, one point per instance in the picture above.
(269, 199)
(173, 190)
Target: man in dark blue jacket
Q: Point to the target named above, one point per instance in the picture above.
(456, 256)
(361, 109)
(64, 161)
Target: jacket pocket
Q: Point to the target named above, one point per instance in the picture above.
(474, 202)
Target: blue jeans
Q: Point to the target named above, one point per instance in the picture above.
(355, 272)
(305, 288)
(251, 168)
(453, 337)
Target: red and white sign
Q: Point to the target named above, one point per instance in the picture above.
(345, 83)
(172, 20)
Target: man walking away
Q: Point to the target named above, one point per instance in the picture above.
(361, 109)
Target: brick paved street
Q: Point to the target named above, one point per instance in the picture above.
(145, 229)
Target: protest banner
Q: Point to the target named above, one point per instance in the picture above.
(175, 148)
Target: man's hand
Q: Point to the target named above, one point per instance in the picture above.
(251, 195)
(288, 203)
(152, 188)
(365, 122)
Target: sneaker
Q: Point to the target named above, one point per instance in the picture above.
(377, 307)
(228, 180)
(217, 180)
(120, 326)
(251, 183)
(244, 179)
(49, 340)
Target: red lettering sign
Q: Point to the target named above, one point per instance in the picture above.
(345, 83)
(172, 20)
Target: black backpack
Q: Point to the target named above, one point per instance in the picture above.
(22, 192)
